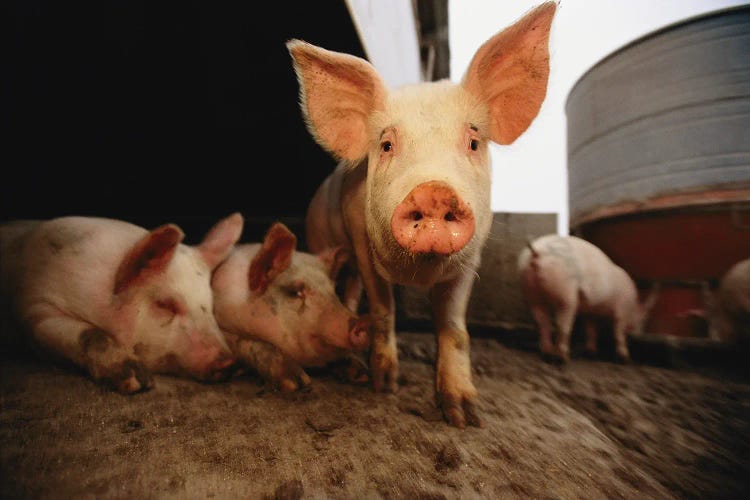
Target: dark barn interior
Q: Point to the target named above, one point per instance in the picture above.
(158, 112)
(162, 112)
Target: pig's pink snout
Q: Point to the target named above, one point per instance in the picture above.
(432, 219)
(359, 333)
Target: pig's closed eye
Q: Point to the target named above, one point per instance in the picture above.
(169, 307)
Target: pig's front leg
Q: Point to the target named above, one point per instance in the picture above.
(352, 292)
(94, 349)
(384, 354)
(271, 363)
(454, 391)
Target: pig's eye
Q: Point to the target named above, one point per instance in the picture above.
(386, 146)
(296, 291)
(168, 306)
(474, 144)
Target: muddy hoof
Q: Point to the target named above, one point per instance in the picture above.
(555, 359)
(132, 377)
(459, 411)
(624, 360)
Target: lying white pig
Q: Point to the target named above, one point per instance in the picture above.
(729, 305)
(563, 276)
(279, 310)
(411, 198)
(118, 300)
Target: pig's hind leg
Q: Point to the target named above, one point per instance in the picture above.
(564, 318)
(93, 349)
(544, 325)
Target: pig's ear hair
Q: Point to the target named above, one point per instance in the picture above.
(273, 258)
(219, 241)
(510, 72)
(333, 259)
(149, 257)
(338, 93)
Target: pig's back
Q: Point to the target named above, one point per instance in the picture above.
(734, 289)
(604, 283)
(324, 221)
(71, 262)
(585, 266)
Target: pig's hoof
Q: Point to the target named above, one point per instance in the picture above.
(384, 371)
(132, 377)
(300, 381)
(288, 377)
(624, 359)
(459, 411)
(555, 358)
(353, 370)
(283, 373)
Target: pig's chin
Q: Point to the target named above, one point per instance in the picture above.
(402, 267)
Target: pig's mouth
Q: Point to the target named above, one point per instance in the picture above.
(425, 268)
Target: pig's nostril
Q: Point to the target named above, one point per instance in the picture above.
(416, 215)
(449, 217)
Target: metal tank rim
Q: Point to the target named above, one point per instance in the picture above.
(652, 34)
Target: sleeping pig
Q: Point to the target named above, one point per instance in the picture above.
(564, 276)
(279, 310)
(410, 199)
(116, 299)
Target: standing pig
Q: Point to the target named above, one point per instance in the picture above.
(729, 306)
(118, 300)
(279, 310)
(411, 198)
(563, 276)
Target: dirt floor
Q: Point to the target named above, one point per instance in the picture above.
(593, 429)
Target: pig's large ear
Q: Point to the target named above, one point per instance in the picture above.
(510, 71)
(149, 257)
(273, 258)
(338, 93)
(333, 259)
(219, 241)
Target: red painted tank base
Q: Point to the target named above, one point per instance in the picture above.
(675, 313)
(683, 249)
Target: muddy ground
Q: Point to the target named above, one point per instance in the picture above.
(594, 429)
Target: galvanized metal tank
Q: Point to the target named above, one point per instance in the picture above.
(659, 159)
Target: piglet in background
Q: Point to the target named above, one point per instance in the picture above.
(279, 310)
(728, 308)
(116, 299)
(566, 276)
